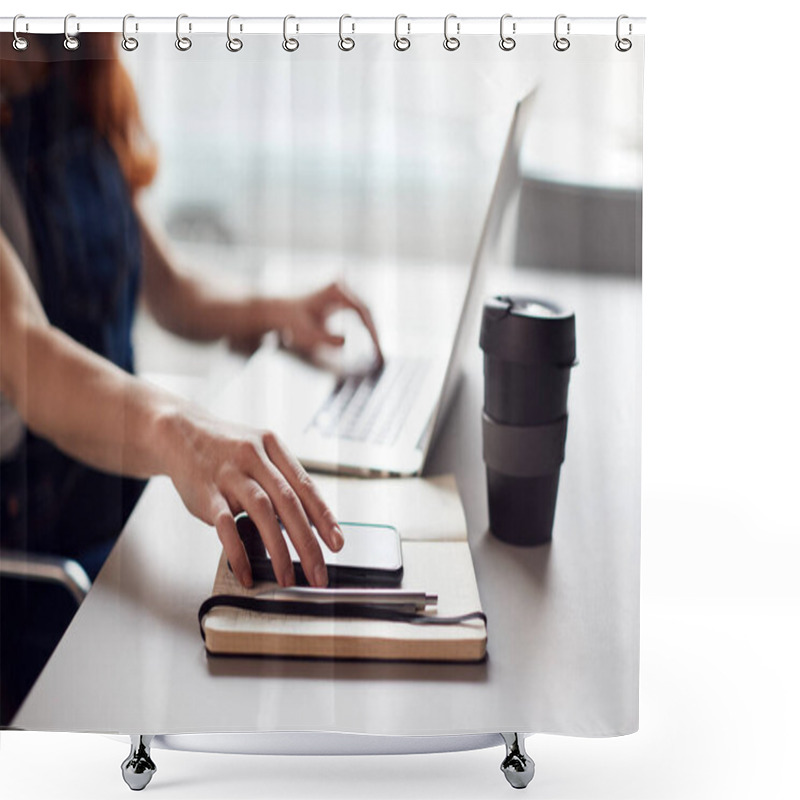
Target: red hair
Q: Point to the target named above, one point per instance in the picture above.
(104, 90)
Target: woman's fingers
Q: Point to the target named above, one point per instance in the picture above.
(255, 501)
(339, 296)
(318, 512)
(288, 506)
(258, 475)
(232, 543)
(332, 339)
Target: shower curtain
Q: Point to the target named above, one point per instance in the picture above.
(276, 166)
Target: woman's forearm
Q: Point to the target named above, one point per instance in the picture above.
(90, 408)
(115, 422)
(206, 311)
(118, 423)
(201, 309)
(66, 393)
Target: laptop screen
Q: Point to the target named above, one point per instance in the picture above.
(506, 183)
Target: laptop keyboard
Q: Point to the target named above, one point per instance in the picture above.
(372, 407)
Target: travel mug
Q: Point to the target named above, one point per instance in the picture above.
(528, 351)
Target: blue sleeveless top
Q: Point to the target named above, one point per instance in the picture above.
(88, 245)
(81, 219)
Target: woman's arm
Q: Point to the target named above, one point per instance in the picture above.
(55, 384)
(200, 310)
(115, 422)
(197, 309)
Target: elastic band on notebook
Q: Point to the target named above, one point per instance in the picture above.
(332, 610)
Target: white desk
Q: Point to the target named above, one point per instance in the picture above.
(563, 619)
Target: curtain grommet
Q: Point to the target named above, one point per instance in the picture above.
(401, 43)
(20, 43)
(507, 43)
(623, 44)
(346, 43)
(289, 44)
(561, 43)
(183, 43)
(129, 43)
(71, 43)
(451, 43)
(233, 44)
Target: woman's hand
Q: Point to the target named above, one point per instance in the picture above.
(303, 319)
(204, 311)
(101, 415)
(220, 470)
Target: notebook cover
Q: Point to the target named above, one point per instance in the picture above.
(441, 566)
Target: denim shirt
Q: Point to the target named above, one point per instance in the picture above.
(81, 218)
(87, 243)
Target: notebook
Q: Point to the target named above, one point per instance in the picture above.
(436, 558)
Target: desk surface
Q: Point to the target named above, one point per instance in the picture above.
(563, 619)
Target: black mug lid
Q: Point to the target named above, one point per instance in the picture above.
(530, 330)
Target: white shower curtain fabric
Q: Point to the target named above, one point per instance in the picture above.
(280, 172)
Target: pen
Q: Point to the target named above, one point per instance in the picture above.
(372, 597)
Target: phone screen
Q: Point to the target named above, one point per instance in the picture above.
(365, 547)
(371, 555)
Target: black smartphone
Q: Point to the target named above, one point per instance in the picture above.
(371, 556)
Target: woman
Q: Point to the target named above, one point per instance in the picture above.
(77, 157)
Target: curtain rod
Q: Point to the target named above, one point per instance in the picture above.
(461, 26)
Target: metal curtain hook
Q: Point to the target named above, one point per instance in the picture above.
(234, 45)
(20, 42)
(182, 42)
(451, 42)
(401, 42)
(289, 44)
(70, 42)
(561, 43)
(623, 45)
(507, 42)
(129, 43)
(346, 42)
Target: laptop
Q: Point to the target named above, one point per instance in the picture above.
(382, 422)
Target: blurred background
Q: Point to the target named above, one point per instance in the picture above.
(381, 153)
(271, 161)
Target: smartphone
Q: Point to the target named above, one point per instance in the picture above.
(371, 555)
